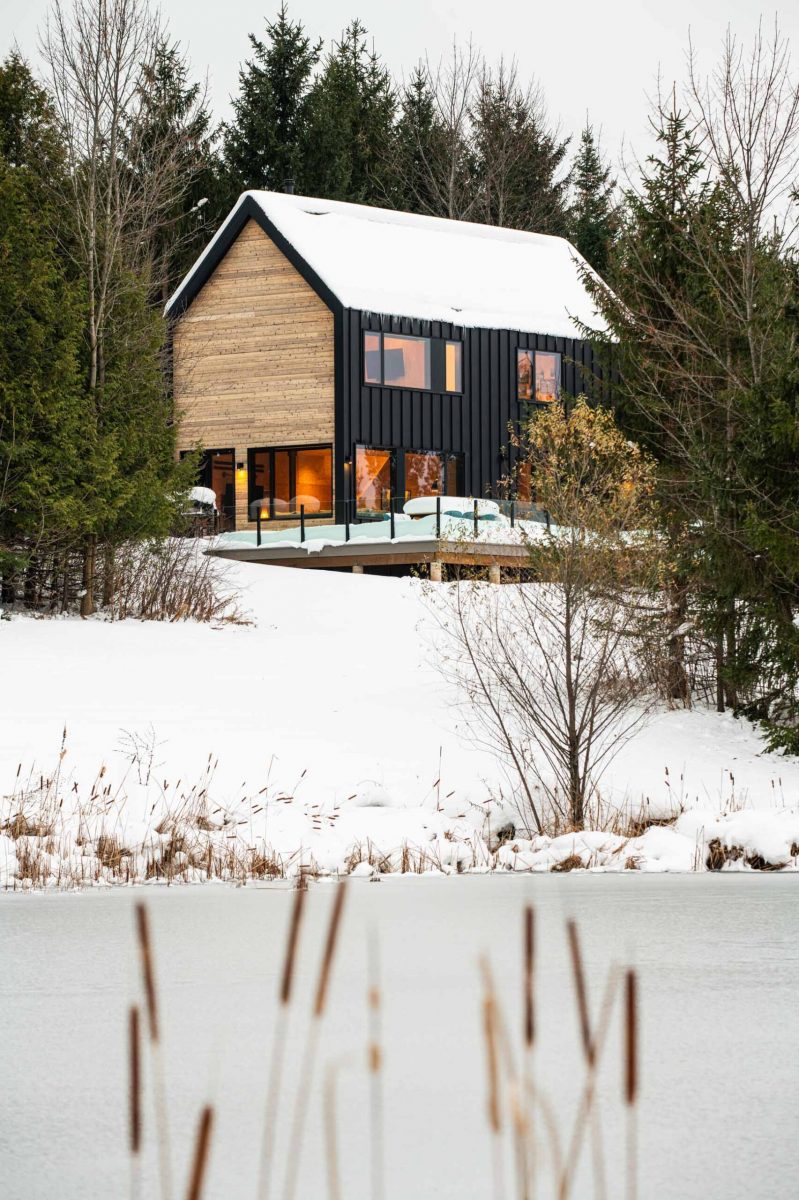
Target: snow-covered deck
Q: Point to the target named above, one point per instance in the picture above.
(491, 539)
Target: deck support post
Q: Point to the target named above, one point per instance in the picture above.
(435, 571)
(494, 573)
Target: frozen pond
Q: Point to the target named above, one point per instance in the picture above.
(719, 977)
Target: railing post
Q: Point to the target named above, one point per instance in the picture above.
(475, 519)
(391, 516)
(512, 513)
(258, 524)
(346, 520)
(438, 518)
(302, 522)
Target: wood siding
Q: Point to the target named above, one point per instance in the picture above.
(254, 358)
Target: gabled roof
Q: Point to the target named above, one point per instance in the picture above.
(397, 263)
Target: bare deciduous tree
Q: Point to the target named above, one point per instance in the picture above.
(549, 671)
(120, 184)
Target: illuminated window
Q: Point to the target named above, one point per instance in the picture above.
(406, 361)
(374, 479)
(372, 358)
(524, 374)
(454, 366)
(432, 474)
(547, 377)
(287, 479)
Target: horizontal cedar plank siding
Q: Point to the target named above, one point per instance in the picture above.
(254, 357)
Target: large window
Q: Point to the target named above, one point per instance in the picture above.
(287, 478)
(417, 363)
(432, 474)
(406, 361)
(537, 375)
(374, 479)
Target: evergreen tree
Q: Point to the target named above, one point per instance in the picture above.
(593, 218)
(41, 395)
(518, 157)
(347, 150)
(263, 145)
(416, 147)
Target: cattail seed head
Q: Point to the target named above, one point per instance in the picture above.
(630, 1038)
(291, 946)
(148, 973)
(330, 950)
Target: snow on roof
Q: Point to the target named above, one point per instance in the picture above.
(398, 263)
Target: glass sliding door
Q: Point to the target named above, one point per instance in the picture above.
(430, 473)
(374, 479)
(293, 477)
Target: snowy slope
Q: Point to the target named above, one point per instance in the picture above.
(331, 697)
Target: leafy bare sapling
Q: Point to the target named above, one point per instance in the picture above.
(549, 670)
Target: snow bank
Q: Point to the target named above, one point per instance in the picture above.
(322, 736)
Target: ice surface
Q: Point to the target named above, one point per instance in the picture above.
(718, 978)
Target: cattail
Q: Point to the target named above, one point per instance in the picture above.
(529, 949)
(201, 1148)
(291, 946)
(631, 1039)
(135, 1081)
(490, 1034)
(330, 950)
(582, 995)
(147, 970)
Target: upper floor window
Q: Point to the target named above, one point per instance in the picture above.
(537, 375)
(406, 361)
(453, 361)
(418, 363)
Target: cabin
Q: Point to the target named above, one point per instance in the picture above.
(341, 359)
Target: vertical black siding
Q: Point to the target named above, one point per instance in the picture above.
(475, 423)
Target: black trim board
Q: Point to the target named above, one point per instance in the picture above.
(248, 210)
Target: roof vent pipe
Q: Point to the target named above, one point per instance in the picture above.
(288, 186)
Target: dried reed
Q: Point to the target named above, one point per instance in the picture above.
(375, 1063)
(277, 1054)
(631, 1079)
(134, 1107)
(151, 998)
(201, 1148)
(586, 1111)
(529, 1151)
(305, 1084)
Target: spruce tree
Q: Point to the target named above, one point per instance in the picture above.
(41, 396)
(347, 152)
(263, 145)
(593, 217)
(518, 157)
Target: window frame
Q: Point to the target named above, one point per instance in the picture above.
(459, 343)
(394, 453)
(558, 376)
(292, 453)
(438, 362)
(531, 353)
(444, 456)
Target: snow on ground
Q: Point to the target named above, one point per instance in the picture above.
(334, 739)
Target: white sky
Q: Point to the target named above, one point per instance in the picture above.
(602, 58)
